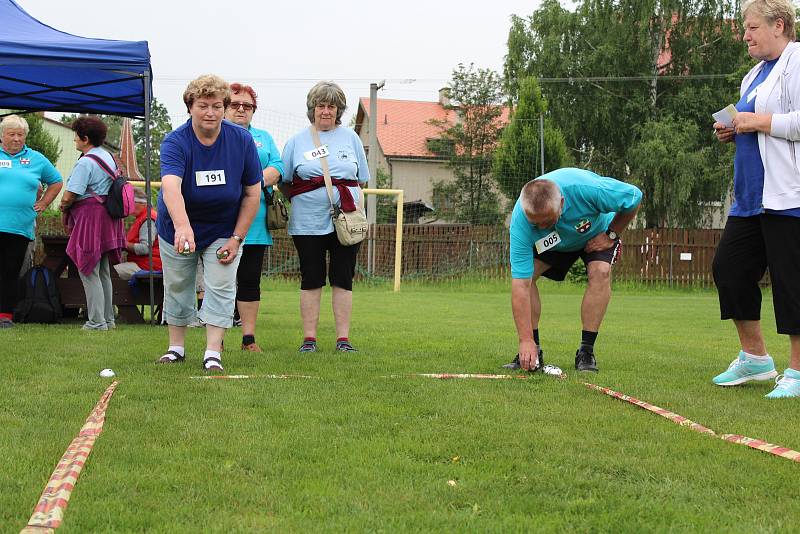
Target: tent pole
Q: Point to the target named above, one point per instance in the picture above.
(147, 188)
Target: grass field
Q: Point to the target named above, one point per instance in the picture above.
(353, 450)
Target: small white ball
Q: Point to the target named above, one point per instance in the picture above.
(107, 373)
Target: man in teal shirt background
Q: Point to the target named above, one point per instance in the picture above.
(559, 217)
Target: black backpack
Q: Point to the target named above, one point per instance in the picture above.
(120, 200)
(40, 302)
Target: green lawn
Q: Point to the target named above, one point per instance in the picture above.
(354, 450)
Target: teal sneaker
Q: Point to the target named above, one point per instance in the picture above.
(786, 385)
(743, 370)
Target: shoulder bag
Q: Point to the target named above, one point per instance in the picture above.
(351, 228)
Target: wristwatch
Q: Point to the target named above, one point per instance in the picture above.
(237, 238)
(612, 234)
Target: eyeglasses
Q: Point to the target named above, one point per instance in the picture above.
(245, 105)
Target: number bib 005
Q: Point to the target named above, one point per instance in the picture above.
(203, 178)
(547, 242)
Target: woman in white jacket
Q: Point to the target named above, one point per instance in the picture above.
(763, 227)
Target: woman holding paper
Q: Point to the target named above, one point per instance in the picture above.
(763, 226)
(310, 223)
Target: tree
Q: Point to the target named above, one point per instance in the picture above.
(160, 126)
(40, 139)
(385, 210)
(468, 145)
(675, 173)
(518, 157)
(611, 66)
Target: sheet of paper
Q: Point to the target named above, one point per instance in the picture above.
(725, 115)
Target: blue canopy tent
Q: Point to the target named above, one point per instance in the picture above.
(44, 69)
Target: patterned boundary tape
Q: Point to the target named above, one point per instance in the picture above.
(757, 444)
(244, 377)
(445, 376)
(49, 511)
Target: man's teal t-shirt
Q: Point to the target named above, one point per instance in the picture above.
(590, 203)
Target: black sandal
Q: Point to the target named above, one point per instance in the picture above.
(168, 357)
(216, 364)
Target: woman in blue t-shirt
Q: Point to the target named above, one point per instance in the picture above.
(96, 240)
(763, 226)
(23, 171)
(210, 189)
(248, 277)
(310, 223)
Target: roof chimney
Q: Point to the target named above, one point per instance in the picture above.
(444, 96)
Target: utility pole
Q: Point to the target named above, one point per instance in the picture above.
(372, 162)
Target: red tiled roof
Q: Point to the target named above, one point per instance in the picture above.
(403, 128)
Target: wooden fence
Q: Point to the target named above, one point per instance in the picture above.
(678, 257)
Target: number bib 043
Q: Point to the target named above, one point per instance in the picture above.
(319, 152)
(548, 242)
(209, 177)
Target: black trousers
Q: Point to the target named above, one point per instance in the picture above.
(248, 276)
(312, 250)
(748, 247)
(12, 253)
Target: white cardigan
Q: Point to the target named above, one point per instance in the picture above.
(779, 94)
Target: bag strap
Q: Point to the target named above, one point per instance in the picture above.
(323, 160)
(103, 165)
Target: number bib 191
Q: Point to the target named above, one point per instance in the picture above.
(210, 177)
(548, 242)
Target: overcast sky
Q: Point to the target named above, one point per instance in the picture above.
(282, 48)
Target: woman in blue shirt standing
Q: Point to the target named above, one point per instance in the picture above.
(310, 223)
(248, 276)
(96, 240)
(22, 171)
(763, 227)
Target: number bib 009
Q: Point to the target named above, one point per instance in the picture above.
(547, 242)
(203, 178)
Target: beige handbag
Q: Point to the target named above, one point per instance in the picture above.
(351, 228)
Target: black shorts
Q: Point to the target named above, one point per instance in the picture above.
(560, 262)
(313, 251)
(750, 245)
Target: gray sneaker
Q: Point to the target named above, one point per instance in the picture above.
(308, 346)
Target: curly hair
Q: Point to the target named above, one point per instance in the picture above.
(771, 11)
(91, 127)
(326, 92)
(16, 122)
(207, 86)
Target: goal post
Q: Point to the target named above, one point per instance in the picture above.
(398, 242)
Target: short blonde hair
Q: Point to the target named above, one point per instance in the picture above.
(207, 86)
(326, 92)
(540, 196)
(771, 11)
(14, 121)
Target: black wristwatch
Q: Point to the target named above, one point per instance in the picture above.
(612, 234)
